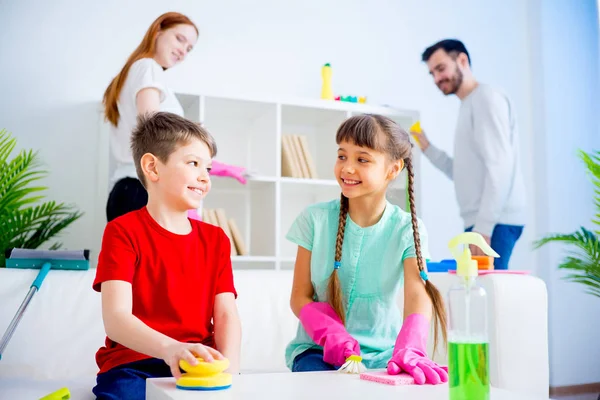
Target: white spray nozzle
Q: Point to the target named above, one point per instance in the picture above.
(465, 266)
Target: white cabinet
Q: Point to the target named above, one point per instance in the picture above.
(249, 133)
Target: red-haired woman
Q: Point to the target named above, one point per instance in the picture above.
(139, 88)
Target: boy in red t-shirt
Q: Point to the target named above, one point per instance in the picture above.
(166, 280)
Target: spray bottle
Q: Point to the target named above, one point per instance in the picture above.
(468, 343)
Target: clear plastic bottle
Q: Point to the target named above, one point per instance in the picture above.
(468, 343)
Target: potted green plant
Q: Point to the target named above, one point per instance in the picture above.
(26, 221)
(583, 260)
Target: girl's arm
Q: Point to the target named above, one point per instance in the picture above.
(228, 329)
(416, 299)
(148, 101)
(123, 327)
(302, 289)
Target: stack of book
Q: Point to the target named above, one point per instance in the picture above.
(218, 218)
(296, 160)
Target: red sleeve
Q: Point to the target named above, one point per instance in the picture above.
(117, 257)
(225, 273)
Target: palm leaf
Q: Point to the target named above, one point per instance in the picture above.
(19, 226)
(583, 261)
(592, 164)
(15, 177)
(7, 144)
(24, 221)
(583, 246)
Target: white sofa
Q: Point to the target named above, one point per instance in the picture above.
(55, 343)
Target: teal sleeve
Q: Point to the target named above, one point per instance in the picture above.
(409, 240)
(302, 231)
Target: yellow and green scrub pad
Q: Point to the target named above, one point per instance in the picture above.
(204, 375)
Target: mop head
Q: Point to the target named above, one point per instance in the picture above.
(205, 375)
(353, 365)
(78, 260)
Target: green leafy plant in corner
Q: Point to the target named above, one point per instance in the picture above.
(25, 221)
(583, 260)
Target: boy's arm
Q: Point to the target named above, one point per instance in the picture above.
(228, 329)
(123, 327)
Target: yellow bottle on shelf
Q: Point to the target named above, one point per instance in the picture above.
(326, 89)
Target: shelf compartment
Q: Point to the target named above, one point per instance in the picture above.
(252, 209)
(245, 132)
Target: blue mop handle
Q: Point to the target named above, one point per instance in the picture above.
(35, 286)
(42, 275)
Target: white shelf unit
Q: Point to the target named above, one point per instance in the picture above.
(248, 132)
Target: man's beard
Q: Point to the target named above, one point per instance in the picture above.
(453, 84)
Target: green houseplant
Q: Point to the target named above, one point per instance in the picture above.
(26, 221)
(583, 260)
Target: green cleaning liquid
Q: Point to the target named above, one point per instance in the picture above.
(468, 366)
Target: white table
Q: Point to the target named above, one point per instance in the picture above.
(308, 385)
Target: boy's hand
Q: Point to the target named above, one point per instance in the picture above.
(188, 352)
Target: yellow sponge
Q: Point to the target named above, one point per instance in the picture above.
(416, 127)
(209, 382)
(204, 375)
(205, 368)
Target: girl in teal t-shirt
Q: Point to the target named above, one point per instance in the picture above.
(353, 256)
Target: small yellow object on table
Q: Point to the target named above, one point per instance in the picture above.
(60, 394)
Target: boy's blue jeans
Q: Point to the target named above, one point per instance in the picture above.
(311, 360)
(504, 238)
(128, 381)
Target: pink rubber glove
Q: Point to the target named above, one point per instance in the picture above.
(410, 353)
(324, 327)
(221, 169)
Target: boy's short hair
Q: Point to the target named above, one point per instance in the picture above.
(161, 133)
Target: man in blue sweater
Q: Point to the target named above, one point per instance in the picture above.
(486, 167)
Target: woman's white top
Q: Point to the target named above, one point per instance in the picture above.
(144, 73)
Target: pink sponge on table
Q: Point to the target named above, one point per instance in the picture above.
(384, 377)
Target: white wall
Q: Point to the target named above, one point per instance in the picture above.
(63, 54)
(565, 87)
